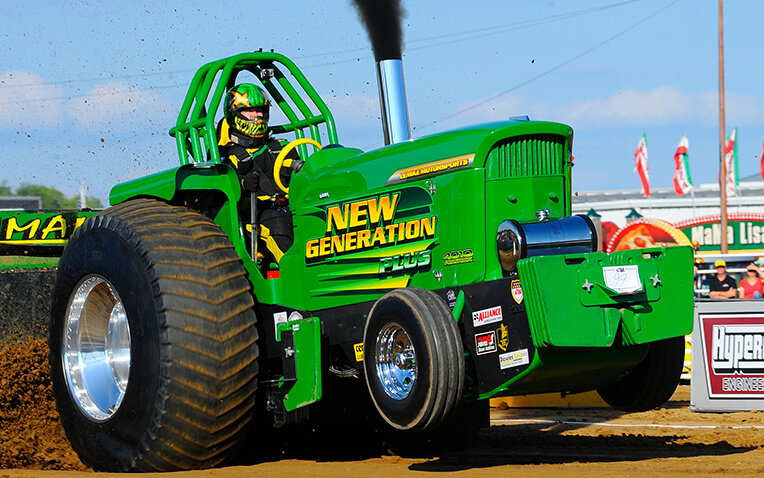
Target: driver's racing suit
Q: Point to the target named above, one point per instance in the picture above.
(254, 167)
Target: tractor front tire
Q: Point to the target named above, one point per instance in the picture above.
(652, 382)
(413, 359)
(153, 345)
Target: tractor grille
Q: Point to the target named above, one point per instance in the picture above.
(529, 155)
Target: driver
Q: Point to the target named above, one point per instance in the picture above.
(246, 144)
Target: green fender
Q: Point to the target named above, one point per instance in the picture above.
(166, 184)
(203, 178)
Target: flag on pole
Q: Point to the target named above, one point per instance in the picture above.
(762, 162)
(640, 163)
(682, 179)
(730, 159)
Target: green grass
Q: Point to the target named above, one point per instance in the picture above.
(24, 262)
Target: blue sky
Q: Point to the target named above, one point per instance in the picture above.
(89, 89)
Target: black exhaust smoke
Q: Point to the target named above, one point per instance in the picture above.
(382, 19)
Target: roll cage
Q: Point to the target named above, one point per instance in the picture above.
(195, 131)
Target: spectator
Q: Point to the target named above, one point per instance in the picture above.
(698, 279)
(752, 287)
(722, 286)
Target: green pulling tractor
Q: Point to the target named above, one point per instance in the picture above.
(440, 271)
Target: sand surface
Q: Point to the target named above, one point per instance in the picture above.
(672, 441)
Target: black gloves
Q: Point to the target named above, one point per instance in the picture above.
(251, 181)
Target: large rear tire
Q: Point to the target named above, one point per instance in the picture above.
(651, 383)
(413, 359)
(152, 340)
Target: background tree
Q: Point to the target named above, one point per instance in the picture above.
(52, 198)
(5, 190)
(92, 202)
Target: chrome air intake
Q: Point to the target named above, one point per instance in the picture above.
(392, 101)
(515, 241)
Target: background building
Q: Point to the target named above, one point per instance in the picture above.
(614, 206)
(28, 203)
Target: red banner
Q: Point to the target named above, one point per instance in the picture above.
(640, 162)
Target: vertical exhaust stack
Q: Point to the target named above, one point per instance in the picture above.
(383, 20)
(392, 101)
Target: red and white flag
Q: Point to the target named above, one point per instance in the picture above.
(730, 160)
(640, 163)
(682, 179)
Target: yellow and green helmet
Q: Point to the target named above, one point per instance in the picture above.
(247, 96)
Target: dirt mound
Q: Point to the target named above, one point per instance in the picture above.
(25, 298)
(30, 435)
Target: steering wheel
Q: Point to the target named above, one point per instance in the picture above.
(280, 159)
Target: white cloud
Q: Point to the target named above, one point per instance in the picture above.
(743, 110)
(28, 103)
(738, 109)
(117, 106)
(661, 105)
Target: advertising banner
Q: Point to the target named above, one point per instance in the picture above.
(733, 355)
(745, 234)
(728, 356)
(646, 232)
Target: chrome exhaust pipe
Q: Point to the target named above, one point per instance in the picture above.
(392, 101)
(569, 235)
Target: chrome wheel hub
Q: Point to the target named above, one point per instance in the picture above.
(395, 360)
(96, 348)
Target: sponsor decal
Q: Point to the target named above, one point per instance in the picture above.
(513, 359)
(503, 334)
(370, 223)
(463, 256)
(451, 298)
(279, 318)
(733, 348)
(517, 290)
(409, 260)
(432, 168)
(358, 349)
(487, 316)
(485, 343)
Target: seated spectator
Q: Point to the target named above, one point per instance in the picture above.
(752, 287)
(722, 285)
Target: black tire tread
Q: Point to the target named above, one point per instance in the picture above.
(652, 382)
(446, 362)
(208, 337)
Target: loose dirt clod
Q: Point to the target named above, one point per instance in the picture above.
(30, 435)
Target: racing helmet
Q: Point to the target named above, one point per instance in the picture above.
(243, 97)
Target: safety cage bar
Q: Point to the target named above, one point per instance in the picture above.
(196, 127)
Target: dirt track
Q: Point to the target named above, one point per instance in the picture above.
(530, 442)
